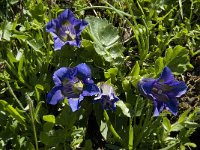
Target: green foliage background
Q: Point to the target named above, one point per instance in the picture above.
(124, 41)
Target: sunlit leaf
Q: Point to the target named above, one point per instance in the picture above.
(177, 59)
(12, 111)
(166, 124)
(106, 40)
(124, 108)
(49, 118)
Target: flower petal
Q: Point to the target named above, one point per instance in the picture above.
(84, 71)
(64, 73)
(76, 42)
(52, 25)
(145, 85)
(55, 95)
(79, 25)
(90, 90)
(66, 15)
(58, 44)
(166, 75)
(59, 75)
(74, 103)
(178, 89)
(172, 105)
(158, 107)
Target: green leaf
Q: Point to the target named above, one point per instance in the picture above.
(189, 124)
(20, 68)
(13, 1)
(166, 124)
(34, 44)
(159, 65)
(104, 129)
(181, 8)
(183, 116)
(5, 33)
(111, 74)
(12, 111)
(66, 118)
(124, 108)
(139, 105)
(36, 113)
(53, 137)
(135, 74)
(176, 127)
(40, 87)
(49, 118)
(135, 70)
(106, 40)
(126, 85)
(190, 144)
(177, 59)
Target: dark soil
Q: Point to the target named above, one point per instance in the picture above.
(192, 98)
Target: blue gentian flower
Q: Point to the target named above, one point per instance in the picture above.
(163, 91)
(74, 84)
(107, 97)
(66, 29)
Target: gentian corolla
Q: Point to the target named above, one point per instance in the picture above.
(107, 97)
(74, 84)
(163, 91)
(66, 29)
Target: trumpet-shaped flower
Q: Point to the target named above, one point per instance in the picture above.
(163, 91)
(107, 97)
(66, 29)
(74, 84)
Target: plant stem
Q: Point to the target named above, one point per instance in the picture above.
(131, 137)
(112, 129)
(30, 103)
(105, 7)
(15, 97)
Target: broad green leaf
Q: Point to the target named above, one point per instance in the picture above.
(124, 108)
(53, 137)
(20, 36)
(111, 74)
(106, 40)
(66, 118)
(11, 58)
(12, 111)
(5, 33)
(49, 118)
(104, 129)
(190, 144)
(126, 85)
(177, 59)
(189, 124)
(159, 65)
(135, 74)
(166, 124)
(183, 116)
(34, 44)
(135, 70)
(176, 127)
